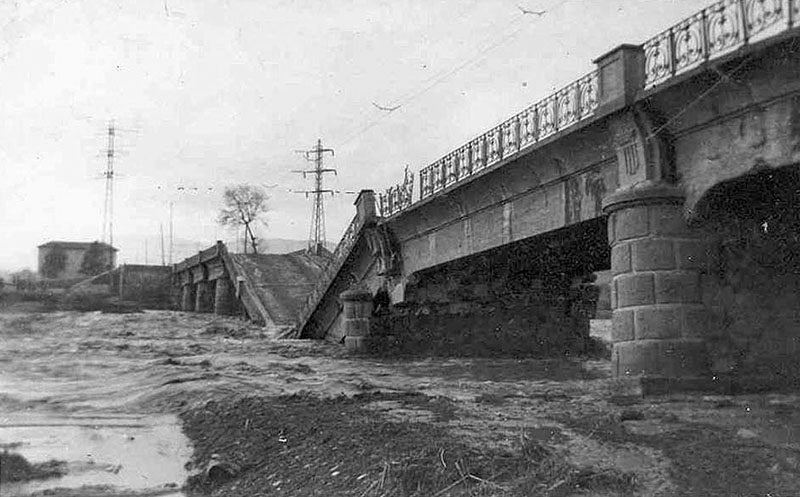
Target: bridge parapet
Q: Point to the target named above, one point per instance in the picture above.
(398, 197)
(557, 112)
(365, 207)
(715, 31)
(718, 30)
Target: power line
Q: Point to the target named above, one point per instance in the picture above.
(370, 110)
(316, 236)
(436, 80)
(723, 78)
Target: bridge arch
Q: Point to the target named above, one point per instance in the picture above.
(752, 284)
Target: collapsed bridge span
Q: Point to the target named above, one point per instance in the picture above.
(269, 289)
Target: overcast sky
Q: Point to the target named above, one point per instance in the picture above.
(209, 93)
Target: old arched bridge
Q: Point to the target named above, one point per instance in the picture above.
(674, 164)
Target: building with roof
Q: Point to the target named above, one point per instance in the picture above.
(67, 260)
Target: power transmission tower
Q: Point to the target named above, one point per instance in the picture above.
(316, 237)
(108, 206)
(163, 259)
(111, 152)
(170, 233)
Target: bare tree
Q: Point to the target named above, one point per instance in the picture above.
(244, 204)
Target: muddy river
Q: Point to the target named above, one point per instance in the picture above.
(101, 392)
(74, 388)
(96, 390)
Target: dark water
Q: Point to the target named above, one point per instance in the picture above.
(68, 393)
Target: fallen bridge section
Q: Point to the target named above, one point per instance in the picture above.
(269, 289)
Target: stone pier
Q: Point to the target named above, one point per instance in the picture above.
(659, 319)
(357, 316)
(223, 297)
(204, 297)
(188, 297)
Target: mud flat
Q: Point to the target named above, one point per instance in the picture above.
(297, 418)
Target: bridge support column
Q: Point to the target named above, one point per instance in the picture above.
(223, 297)
(659, 319)
(187, 297)
(204, 297)
(357, 316)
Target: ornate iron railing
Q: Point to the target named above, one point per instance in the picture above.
(398, 197)
(713, 32)
(716, 30)
(340, 255)
(566, 107)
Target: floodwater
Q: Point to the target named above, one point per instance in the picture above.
(100, 391)
(66, 393)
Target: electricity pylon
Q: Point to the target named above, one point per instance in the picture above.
(316, 236)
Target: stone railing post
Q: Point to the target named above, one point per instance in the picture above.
(659, 319)
(621, 76)
(365, 207)
(357, 315)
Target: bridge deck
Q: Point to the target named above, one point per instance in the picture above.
(280, 282)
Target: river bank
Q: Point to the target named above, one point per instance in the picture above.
(298, 418)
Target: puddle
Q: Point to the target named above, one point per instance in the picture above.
(113, 455)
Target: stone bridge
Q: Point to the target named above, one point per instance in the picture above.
(266, 288)
(674, 164)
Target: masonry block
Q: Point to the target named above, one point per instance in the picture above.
(634, 289)
(680, 358)
(698, 322)
(357, 344)
(362, 310)
(658, 323)
(692, 254)
(357, 327)
(677, 287)
(357, 312)
(622, 326)
(610, 226)
(667, 219)
(649, 254)
(711, 291)
(613, 294)
(631, 223)
(621, 258)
